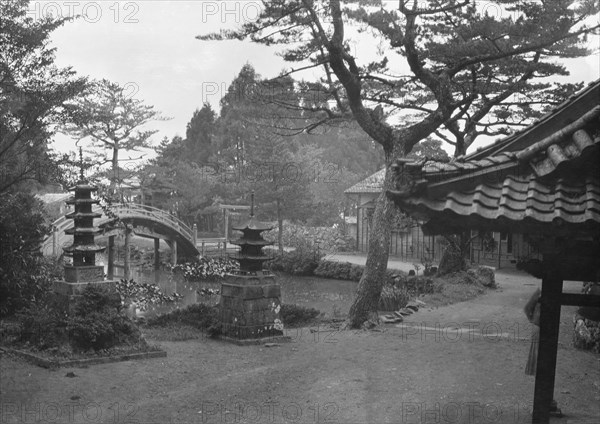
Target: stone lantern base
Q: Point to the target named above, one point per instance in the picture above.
(67, 294)
(84, 273)
(249, 308)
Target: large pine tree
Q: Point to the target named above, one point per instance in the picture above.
(448, 64)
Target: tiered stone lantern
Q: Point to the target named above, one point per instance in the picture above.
(83, 270)
(250, 296)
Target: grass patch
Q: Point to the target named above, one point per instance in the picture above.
(200, 320)
(174, 333)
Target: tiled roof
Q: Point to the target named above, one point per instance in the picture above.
(551, 184)
(372, 184)
(518, 201)
(458, 167)
(552, 122)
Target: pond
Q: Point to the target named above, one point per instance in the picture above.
(331, 297)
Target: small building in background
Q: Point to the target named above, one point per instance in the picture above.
(408, 242)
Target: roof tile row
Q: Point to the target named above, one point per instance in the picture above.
(519, 198)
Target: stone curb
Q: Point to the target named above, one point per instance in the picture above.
(250, 342)
(55, 363)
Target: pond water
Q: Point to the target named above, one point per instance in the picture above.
(331, 297)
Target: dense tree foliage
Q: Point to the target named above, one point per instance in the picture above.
(200, 134)
(33, 91)
(299, 177)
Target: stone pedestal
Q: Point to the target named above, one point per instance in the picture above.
(249, 308)
(66, 294)
(84, 273)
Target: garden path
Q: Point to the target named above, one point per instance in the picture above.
(396, 375)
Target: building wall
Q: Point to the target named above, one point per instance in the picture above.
(500, 250)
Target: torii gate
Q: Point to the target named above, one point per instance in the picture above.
(543, 182)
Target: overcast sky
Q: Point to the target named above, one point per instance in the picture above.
(150, 47)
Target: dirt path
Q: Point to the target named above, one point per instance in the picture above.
(428, 373)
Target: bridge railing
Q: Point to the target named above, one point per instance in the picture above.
(158, 214)
(121, 210)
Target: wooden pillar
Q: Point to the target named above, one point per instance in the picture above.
(111, 257)
(552, 284)
(126, 264)
(156, 254)
(195, 234)
(226, 228)
(174, 252)
(499, 250)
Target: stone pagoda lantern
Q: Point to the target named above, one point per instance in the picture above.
(250, 297)
(83, 250)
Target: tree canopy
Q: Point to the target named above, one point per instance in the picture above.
(112, 119)
(33, 92)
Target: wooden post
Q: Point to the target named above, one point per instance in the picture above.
(499, 250)
(111, 258)
(552, 284)
(156, 254)
(174, 252)
(195, 234)
(226, 212)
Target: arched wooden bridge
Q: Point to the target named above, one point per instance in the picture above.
(145, 221)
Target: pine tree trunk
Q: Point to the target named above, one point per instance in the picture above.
(455, 255)
(115, 171)
(371, 282)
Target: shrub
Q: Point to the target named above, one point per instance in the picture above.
(42, 326)
(393, 298)
(587, 334)
(28, 282)
(339, 270)
(203, 268)
(415, 285)
(199, 315)
(352, 272)
(329, 239)
(101, 330)
(24, 275)
(294, 315)
(206, 317)
(96, 322)
(298, 262)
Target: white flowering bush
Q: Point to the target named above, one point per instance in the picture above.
(142, 295)
(205, 268)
